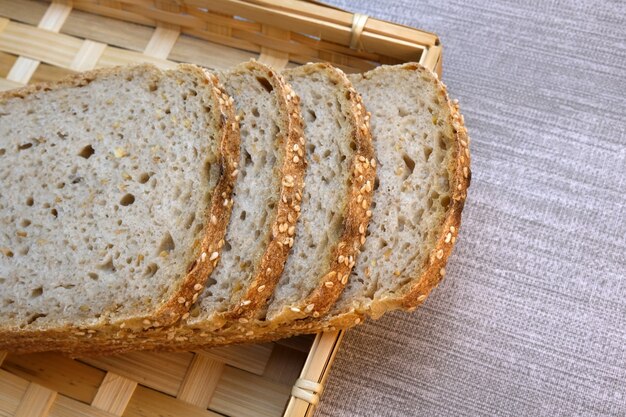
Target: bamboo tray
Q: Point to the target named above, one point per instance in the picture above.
(42, 41)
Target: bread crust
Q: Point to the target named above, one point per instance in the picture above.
(199, 266)
(344, 253)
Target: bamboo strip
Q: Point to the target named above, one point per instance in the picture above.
(110, 31)
(12, 389)
(251, 358)
(114, 394)
(208, 54)
(26, 11)
(200, 381)
(160, 371)
(275, 58)
(24, 68)
(36, 401)
(161, 42)
(68, 377)
(88, 55)
(49, 73)
(67, 407)
(267, 13)
(147, 402)
(38, 44)
(116, 56)
(243, 394)
(321, 357)
(3, 355)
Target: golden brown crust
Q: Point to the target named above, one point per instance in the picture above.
(202, 264)
(292, 171)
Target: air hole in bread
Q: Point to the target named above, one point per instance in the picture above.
(2, 151)
(403, 112)
(310, 148)
(93, 276)
(127, 199)
(310, 116)
(401, 223)
(326, 153)
(242, 216)
(152, 87)
(265, 84)
(255, 113)
(442, 142)
(247, 159)
(427, 152)
(445, 200)
(24, 251)
(54, 212)
(226, 247)
(107, 264)
(190, 220)
(34, 317)
(167, 244)
(150, 270)
(36, 292)
(410, 165)
(24, 146)
(25, 223)
(61, 185)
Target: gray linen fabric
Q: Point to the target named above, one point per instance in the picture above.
(531, 317)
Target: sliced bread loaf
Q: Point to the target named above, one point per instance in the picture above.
(421, 146)
(335, 203)
(114, 186)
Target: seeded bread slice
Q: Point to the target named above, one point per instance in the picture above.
(336, 201)
(108, 180)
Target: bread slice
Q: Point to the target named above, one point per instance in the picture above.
(115, 190)
(335, 203)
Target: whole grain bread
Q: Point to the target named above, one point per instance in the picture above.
(423, 173)
(109, 180)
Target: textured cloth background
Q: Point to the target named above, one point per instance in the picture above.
(531, 317)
